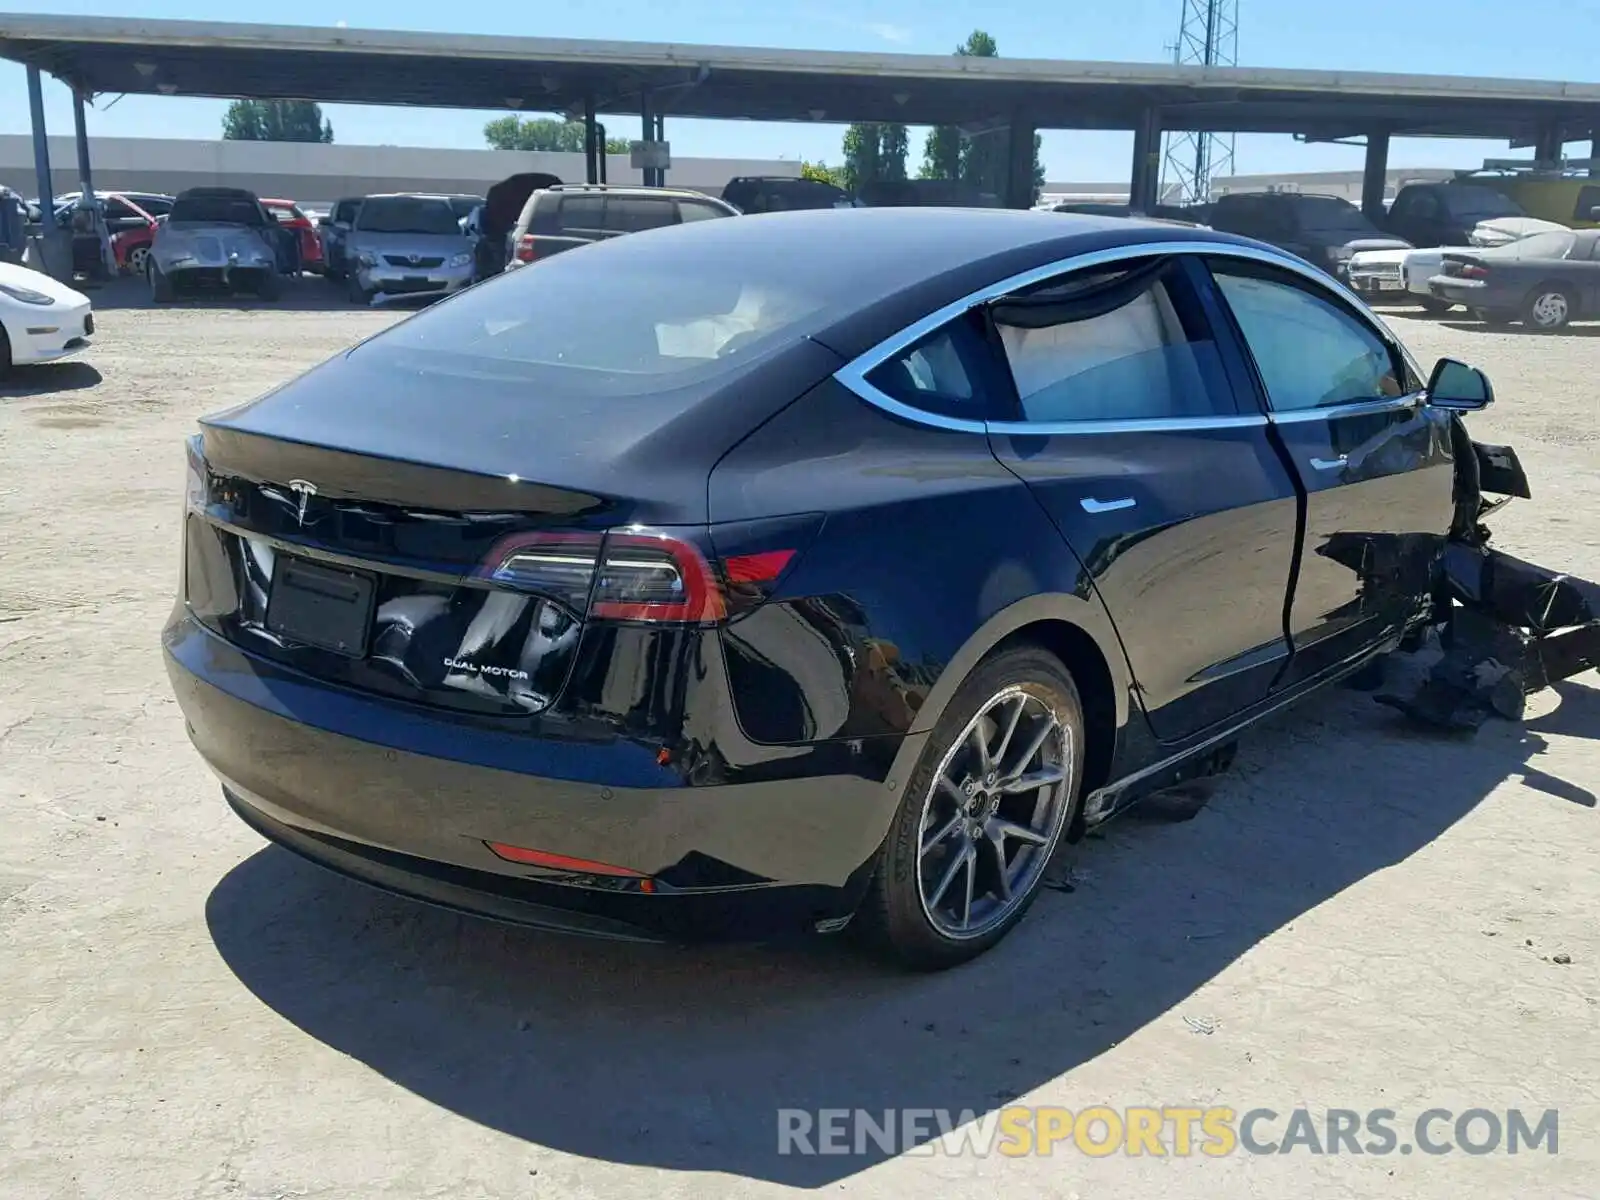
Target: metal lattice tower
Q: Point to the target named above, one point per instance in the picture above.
(1208, 36)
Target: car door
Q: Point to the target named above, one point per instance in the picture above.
(1129, 432)
(1374, 461)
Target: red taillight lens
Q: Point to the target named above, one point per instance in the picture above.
(525, 248)
(559, 862)
(1473, 271)
(556, 564)
(648, 576)
(651, 575)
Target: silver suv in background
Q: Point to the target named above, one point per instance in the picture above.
(407, 245)
(574, 214)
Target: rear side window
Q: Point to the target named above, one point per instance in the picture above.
(1310, 351)
(635, 214)
(949, 372)
(582, 214)
(1128, 343)
(694, 210)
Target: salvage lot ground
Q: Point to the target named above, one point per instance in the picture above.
(1365, 917)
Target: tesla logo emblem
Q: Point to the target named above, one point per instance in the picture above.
(303, 492)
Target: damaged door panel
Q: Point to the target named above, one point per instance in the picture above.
(1508, 628)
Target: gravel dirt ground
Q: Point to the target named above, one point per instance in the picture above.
(1366, 916)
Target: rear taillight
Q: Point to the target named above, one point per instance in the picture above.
(643, 574)
(525, 248)
(1473, 271)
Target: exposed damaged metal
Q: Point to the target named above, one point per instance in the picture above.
(1508, 628)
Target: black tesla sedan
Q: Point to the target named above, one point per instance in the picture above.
(747, 577)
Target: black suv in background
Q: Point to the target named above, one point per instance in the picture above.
(783, 193)
(1324, 230)
(574, 214)
(1445, 214)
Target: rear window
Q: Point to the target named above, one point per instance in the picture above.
(407, 214)
(216, 210)
(625, 318)
(616, 214)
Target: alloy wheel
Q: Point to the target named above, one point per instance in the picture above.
(138, 260)
(1550, 310)
(993, 813)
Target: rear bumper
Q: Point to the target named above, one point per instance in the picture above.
(408, 801)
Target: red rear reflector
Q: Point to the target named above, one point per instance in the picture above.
(756, 568)
(558, 862)
(525, 248)
(1474, 272)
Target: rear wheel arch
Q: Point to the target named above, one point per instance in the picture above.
(1077, 632)
(1086, 662)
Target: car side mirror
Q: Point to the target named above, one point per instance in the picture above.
(1458, 387)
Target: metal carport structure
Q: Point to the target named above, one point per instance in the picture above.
(583, 78)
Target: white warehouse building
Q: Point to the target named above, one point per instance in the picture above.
(317, 174)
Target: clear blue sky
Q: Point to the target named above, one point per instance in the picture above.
(1550, 39)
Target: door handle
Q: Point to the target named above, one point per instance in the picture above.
(1091, 505)
(1330, 464)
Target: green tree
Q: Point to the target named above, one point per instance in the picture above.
(542, 134)
(980, 160)
(275, 121)
(872, 153)
(823, 173)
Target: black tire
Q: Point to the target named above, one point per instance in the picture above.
(358, 295)
(1549, 308)
(1434, 306)
(161, 291)
(271, 286)
(5, 353)
(893, 916)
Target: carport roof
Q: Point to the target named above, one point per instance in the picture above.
(358, 66)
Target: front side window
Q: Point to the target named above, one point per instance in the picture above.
(1125, 343)
(1310, 351)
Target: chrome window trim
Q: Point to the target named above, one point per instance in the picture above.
(1359, 408)
(1131, 425)
(853, 374)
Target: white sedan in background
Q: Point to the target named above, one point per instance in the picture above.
(1401, 276)
(41, 319)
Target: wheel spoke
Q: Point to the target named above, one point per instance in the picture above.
(1011, 728)
(929, 843)
(1003, 879)
(972, 872)
(1045, 728)
(949, 876)
(981, 744)
(1033, 780)
(1000, 830)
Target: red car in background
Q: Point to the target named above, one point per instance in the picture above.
(131, 243)
(288, 214)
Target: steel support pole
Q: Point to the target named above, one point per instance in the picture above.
(1146, 175)
(591, 144)
(1019, 163)
(647, 129)
(55, 262)
(1375, 175)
